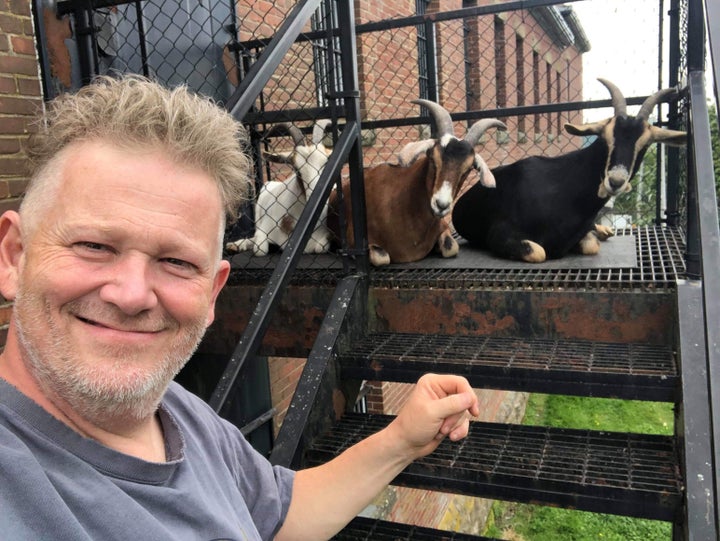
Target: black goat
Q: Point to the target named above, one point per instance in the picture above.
(541, 207)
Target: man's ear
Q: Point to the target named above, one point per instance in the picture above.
(11, 251)
(221, 277)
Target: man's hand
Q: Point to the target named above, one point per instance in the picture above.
(325, 498)
(438, 407)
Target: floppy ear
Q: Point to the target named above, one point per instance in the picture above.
(487, 179)
(669, 137)
(594, 128)
(11, 251)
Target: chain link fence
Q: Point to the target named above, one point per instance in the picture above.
(533, 66)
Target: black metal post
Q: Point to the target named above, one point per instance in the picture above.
(141, 38)
(672, 211)
(351, 90)
(40, 7)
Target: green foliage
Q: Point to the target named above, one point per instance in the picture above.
(536, 523)
(600, 414)
(715, 139)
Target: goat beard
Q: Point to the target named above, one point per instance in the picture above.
(100, 396)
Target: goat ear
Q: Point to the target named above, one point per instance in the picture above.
(594, 128)
(673, 138)
(278, 157)
(487, 179)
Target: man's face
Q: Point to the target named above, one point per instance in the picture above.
(118, 282)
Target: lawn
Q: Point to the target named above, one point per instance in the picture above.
(517, 522)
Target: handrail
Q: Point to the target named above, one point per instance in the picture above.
(252, 337)
(705, 212)
(261, 71)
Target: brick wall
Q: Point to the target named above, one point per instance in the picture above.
(20, 99)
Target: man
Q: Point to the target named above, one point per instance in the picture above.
(114, 262)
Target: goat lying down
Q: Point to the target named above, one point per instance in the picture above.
(281, 202)
(545, 207)
(405, 204)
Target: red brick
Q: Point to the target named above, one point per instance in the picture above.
(18, 64)
(10, 24)
(23, 45)
(29, 87)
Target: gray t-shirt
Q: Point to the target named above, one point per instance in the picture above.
(58, 485)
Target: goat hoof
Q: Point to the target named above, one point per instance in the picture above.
(534, 253)
(379, 257)
(604, 232)
(449, 246)
(231, 247)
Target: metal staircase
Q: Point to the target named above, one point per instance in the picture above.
(643, 332)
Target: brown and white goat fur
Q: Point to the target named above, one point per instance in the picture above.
(405, 205)
(544, 207)
(281, 202)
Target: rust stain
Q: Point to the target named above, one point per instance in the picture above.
(58, 30)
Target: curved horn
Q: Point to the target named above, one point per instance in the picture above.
(442, 120)
(285, 128)
(481, 126)
(319, 130)
(649, 104)
(618, 100)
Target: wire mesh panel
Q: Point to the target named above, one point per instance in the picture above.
(531, 65)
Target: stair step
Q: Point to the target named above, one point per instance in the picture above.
(637, 371)
(627, 474)
(362, 528)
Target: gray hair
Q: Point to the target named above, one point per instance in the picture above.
(133, 110)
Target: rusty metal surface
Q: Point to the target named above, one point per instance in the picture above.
(660, 261)
(636, 371)
(620, 473)
(368, 529)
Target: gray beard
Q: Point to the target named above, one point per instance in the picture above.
(98, 400)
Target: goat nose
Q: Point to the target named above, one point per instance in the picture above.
(618, 176)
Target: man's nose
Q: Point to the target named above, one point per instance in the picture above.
(130, 285)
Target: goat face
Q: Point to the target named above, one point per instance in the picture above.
(627, 138)
(451, 161)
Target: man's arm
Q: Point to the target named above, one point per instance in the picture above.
(327, 497)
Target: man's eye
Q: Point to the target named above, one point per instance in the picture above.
(179, 263)
(93, 246)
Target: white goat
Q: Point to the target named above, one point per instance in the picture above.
(281, 202)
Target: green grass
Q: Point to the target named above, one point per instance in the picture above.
(519, 522)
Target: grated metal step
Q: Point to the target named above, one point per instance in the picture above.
(368, 529)
(577, 367)
(626, 474)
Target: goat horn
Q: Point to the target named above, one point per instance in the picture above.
(649, 104)
(618, 100)
(319, 130)
(286, 128)
(442, 120)
(481, 126)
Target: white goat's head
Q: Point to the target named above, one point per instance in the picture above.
(308, 161)
(627, 138)
(452, 159)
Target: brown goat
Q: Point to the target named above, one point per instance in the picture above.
(405, 205)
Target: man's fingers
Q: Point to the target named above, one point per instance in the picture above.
(456, 404)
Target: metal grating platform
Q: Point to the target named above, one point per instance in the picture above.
(368, 529)
(660, 262)
(607, 472)
(633, 371)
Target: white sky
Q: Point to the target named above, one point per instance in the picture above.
(623, 37)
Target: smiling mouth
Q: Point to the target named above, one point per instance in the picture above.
(114, 328)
